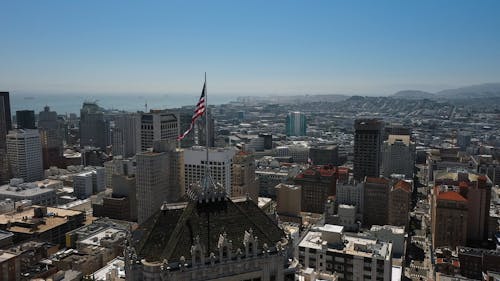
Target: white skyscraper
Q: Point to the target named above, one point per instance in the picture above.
(158, 178)
(89, 182)
(157, 125)
(151, 183)
(220, 162)
(24, 151)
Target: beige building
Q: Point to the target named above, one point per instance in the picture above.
(288, 199)
(158, 174)
(244, 179)
(44, 223)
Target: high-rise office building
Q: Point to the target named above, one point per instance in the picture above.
(52, 139)
(317, 184)
(158, 176)
(220, 163)
(151, 183)
(400, 204)
(244, 179)
(92, 126)
(89, 182)
(296, 124)
(124, 136)
(25, 119)
(157, 125)
(398, 156)
(5, 127)
(448, 218)
(367, 142)
(24, 150)
(375, 202)
(478, 205)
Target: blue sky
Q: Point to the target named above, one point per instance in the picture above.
(247, 47)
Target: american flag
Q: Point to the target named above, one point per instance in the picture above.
(198, 111)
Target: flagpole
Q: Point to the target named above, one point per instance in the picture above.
(207, 168)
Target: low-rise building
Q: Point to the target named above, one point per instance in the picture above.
(6, 238)
(103, 232)
(389, 233)
(475, 261)
(44, 223)
(10, 267)
(113, 271)
(327, 249)
(39, 192)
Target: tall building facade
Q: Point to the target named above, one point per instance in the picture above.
(376, 197)
(398, 156)
(351, 193)
(317, 184)
(5, 127)
(478, 205)
(367, 142)
(124, 136)
(52, 139)
(25, 119)
(448, 218)
(157, 125)
(92, 126)
(244, 180)
(400, 204)
(296, 124)
(220, 163)
(151, 183)
(158, 178)
(24, 150)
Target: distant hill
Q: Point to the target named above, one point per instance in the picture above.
(413, 94)
(487, 90)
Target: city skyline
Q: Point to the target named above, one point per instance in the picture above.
(253, 48)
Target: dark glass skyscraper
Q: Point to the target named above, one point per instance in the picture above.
(92, 126)
(25, 119)
(5, 127)
(367, 143)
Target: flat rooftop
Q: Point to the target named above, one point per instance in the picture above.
(29, 189)
(355, 246)
(116, 264)
(96, 238)
(55, 217)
